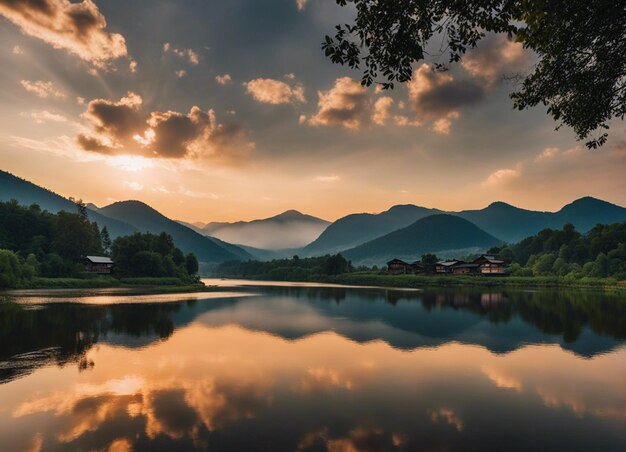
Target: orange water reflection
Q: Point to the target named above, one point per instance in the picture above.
(329, 392)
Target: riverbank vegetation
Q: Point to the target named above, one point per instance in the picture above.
(550, 258)
(40, 249)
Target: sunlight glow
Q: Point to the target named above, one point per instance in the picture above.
(129, 163)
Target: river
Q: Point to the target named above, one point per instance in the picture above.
(280, 366)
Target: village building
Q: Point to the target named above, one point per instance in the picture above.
(445, 267)
(100, 265)
(485, 264)
(400, 267)
(489, 265)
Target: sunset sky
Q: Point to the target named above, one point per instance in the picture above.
(228, 110)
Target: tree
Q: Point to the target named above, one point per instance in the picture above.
(105, 238)
(429, 261)
(580, 44)
(191, 264)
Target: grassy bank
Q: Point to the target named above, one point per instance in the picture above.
(417, 281)
(163, 284)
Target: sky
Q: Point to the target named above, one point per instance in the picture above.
(222, 111)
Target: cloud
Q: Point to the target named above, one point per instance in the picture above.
(44, 116)
(132, 66)
(224, 79)
(17, 50)
(501, 177)
(181, 73)
(346, 104)
(300, 4)
(437, 97)
(188, 54)
(79, 28)
(42, 89)
(274, 92)
(136, 186)
(547, 153)
(329, 178)
(496, 57)
(382, 107)
(124, 128)
(449, 416)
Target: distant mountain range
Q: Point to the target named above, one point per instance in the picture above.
(356, 229)
(441, 234)
(404, 231)
(290, 229)
(503, 221)
(123, 218)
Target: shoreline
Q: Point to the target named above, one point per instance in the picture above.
(422, 281)
(121, 285)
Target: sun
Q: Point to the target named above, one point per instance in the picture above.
(129, 163)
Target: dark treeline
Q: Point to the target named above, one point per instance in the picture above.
(599, 253)
(294, 269)
(35, 242)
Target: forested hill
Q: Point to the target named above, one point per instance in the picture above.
(27, 193)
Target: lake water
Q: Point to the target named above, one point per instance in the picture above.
(305, 368)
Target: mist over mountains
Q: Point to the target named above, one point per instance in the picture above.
(290, 229)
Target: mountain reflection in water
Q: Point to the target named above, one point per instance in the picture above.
(316, 368)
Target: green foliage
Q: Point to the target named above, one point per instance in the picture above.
(580, 46)
(53, 246)
(146, 254)
(295, 269)
(599, 253)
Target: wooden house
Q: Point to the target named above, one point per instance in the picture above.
(100, 265)
(489, 265)
(398, 267)
(446, 267)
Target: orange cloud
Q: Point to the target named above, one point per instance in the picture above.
(437, 97)
(495, 57)
(224, 79)
(188, 54)
(274, 92)
(123, 127)
(382, 107)
(42, 89)
(346, 104)
(79, 28)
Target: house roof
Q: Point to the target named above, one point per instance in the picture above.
(99, 259)
(449, 263)
(467, 265)
(489, 258)
(397, 261)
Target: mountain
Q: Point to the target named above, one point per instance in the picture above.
(585, 213)
(27, 193)
(508, 222)
(513, 224)
(146, 219)
(290, 229)
(432, 234)
(355, 229)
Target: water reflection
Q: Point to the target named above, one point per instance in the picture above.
(317, 369)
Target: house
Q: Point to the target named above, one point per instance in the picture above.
(445, 267)
(489, 265)
(485, 264)
(100, 265)
(417, 267)
(464, 268)
(398, 267)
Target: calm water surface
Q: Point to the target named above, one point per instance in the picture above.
(305, 368)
